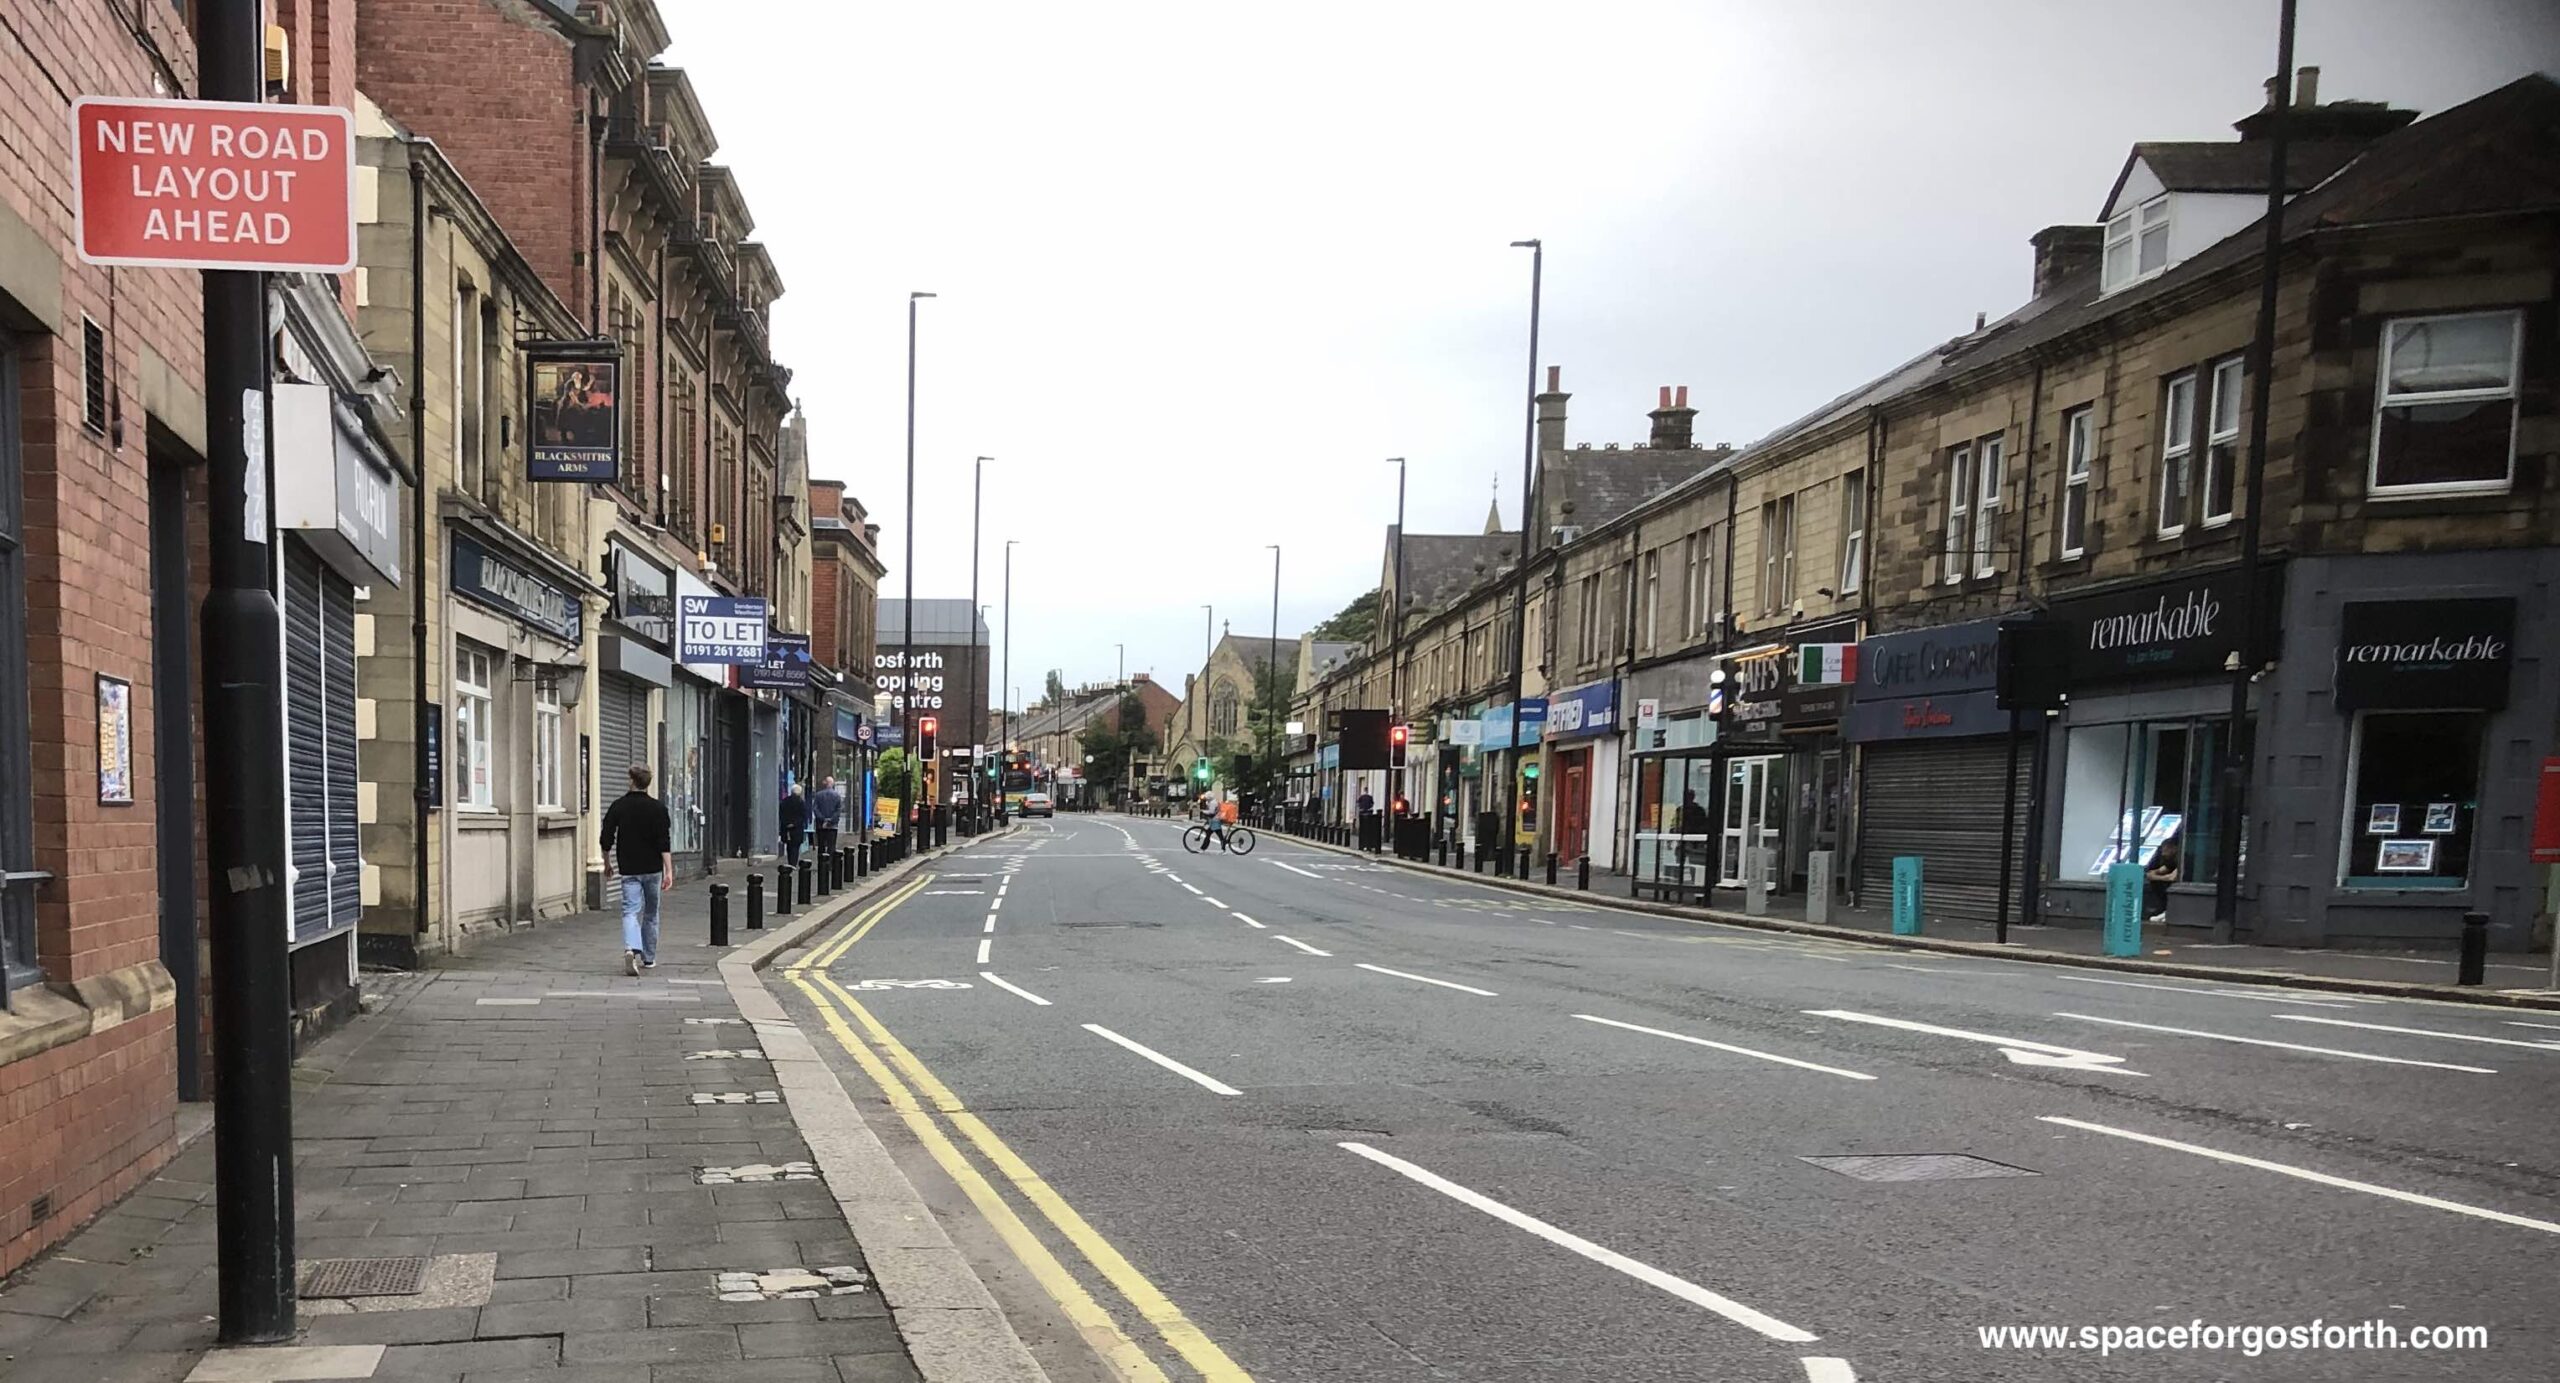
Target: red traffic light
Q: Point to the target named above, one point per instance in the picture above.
(1398, 735)
(926, 725)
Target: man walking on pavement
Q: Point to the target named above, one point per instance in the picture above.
(826, 811)
(795, 823)
(636, 838)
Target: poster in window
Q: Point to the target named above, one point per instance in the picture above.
(576, 430)
(2406, 857)
(115, 740)
(2382, 819)
(2440, 819)
(2138, 837)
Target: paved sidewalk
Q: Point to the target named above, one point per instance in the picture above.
(538, 1125)
(2512, 978)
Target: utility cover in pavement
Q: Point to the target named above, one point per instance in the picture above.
(363, 1277)
(1918, 1167)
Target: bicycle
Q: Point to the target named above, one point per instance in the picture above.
(1239, 841)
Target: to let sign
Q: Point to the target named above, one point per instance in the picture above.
(214, 184)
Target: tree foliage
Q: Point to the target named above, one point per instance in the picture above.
(1355, 622)
(1112, 740)
(1053, 689)
(890, 774)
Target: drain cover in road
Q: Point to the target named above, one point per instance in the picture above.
(363, 1277)
(1918, 1167)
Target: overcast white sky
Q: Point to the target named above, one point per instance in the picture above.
(1202, 267)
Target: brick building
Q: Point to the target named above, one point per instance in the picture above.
(844, 598)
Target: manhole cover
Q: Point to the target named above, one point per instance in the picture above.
(1918, 1167)
(363, 1277)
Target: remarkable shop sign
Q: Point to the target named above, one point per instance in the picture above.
(2427, 655)
(2184, 627)
(726, 629)
(214, 184)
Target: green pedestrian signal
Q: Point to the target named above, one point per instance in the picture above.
(1200, 771)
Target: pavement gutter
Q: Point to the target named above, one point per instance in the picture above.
(950, 1321)
(2228, 974)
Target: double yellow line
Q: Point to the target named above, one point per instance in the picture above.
(901, 1086)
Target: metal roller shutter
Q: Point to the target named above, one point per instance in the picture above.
(338, 655)
(622, 734)
(306, 743)
(1941, 800)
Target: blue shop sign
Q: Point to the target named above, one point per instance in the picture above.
(721, 629)
(848, 726)
(485, 578)
(1329, 757)
(1590, 710)
(1497, 723)
(785, 666)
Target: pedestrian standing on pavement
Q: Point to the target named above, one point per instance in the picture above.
(636, 838)
(826, 813)
(795, 824)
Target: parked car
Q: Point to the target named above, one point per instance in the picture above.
(1038, 804)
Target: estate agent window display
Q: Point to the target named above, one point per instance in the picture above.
(2421, 680)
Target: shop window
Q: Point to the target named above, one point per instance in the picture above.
(547, 759)
(2413, 796)
(2073, 538)
(475, 714)
(2132, 791)
(18, 875)
(2177, 453)
(2222, 443)
(2445, 419)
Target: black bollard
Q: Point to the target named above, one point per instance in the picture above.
(755, 900)
(1524, 864)
(1444, 852)
(1551, 869)
(807, 877)
(2475, 948)
(1458, 845)
(862, 858)
(1582, 873)
(827, 880)
(782, 890)
(719, 914)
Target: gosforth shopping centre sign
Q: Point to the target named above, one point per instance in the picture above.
(214, 184)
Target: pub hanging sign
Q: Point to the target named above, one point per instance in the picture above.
(574, 392)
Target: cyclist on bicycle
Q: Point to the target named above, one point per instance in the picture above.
(1212, 820)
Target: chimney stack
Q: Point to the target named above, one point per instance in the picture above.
(2306, 87)
(1551, 411)
(2065, 251)
(1672, 421)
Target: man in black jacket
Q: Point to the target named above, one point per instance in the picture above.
(636, 839)
(795, 824)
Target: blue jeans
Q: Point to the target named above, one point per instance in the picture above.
(640, 915)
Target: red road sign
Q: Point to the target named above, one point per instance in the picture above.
(214, 184)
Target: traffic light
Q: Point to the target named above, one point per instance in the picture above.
(928, 730)
(1200, 772)
(1397, 735)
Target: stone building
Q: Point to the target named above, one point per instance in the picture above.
(844, 601)
(1222, 704)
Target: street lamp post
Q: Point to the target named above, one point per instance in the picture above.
(1271, 669)
(1007, 687)
(977, 665)
(1395, 631)
(907, 640)
(1520, 578)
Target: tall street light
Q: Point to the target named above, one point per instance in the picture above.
(1520, 578)
(1006, 689)
(907, 640)
(1394, 622)
(1271, 670)
(977, 665)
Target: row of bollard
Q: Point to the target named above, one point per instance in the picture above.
(823, 872)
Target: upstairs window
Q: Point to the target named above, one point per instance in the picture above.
(2137, 243)
(2222, 443)
(1778, 555)
(1959, 514)
(1652, 600)
(2072, 538)
(1587, 640)
(1986, 506)
(2445, 418)
(1853, 532)
(2177, 450)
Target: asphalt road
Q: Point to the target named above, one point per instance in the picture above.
(1301, 1117)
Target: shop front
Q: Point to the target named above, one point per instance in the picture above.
(633, 674)
(2135, 756)
(1581, 736)
(514, 626)
(1786, 777)
(1938, 774)
(2428, 685)
(1506, 767)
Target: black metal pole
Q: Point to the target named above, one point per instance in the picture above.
(2031, 907)
(2236, 750)
(1520, 578)
(2008, 832)
(1005, 752)
(977, 668)
(244, 770)
(1271, 671)
(908, 810)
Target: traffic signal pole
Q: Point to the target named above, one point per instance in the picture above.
(244, 768)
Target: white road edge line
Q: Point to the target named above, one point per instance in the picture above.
(995, 904)
(1727, 1307)
(1205, 898)
(985, 944)
(1820, 1370)
(2306, 1174)
(2264, 1042)
(1723, 1047)
(2420, 1032)
(1160, 1059)
(2547, 1027)
(1240, 917)
(1193, 887)
(991, 922)
(1310, 950)
(2209, 993)
(1011, 988)
(1296, 870)
(1426, 979)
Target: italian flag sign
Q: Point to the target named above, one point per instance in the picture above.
(1826, 664)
